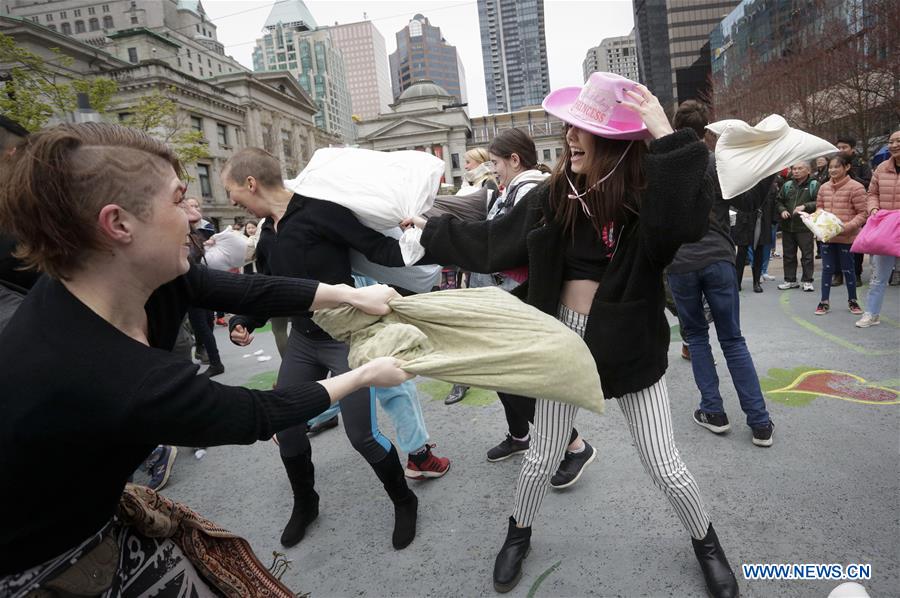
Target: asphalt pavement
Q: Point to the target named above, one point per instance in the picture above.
(826, 493)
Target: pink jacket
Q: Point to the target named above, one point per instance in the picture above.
(847, 201)
(884, 190)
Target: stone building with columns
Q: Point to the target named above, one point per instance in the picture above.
(544, 129)
(426, 118)
(233, 110)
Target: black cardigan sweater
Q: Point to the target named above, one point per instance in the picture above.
(627, 331)
(82, 404)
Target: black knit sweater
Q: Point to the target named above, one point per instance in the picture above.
(627, 331)
(82, 404)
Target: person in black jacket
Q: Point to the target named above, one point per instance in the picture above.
(86, 364)
(596, 239)
(312, 237)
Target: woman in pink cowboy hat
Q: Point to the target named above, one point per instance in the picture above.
(596, 238)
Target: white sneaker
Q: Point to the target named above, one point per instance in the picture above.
(789, 285)
(808, 287)
(768, 277)
(868, 320)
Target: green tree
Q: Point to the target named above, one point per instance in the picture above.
(35, 90)
(157, 114)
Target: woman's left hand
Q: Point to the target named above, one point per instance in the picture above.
(646, 104)
(416, 221)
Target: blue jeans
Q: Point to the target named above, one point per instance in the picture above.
(718, 283)
(836, 257)
(881, 274)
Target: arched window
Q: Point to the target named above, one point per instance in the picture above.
(94, 25)
(66, 29)
(79, 27)
(108, 22)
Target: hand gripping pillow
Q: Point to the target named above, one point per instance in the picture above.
(479, 337)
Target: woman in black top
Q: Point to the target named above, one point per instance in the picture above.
(87, 378)
(596, 239)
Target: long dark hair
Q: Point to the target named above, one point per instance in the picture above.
(608, 200)
(515, 141)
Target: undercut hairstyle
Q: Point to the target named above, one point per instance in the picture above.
(255, 162)
(478, 154)
(692, 114)
(60, 178)
(515, 141)
(608, 203)
(851, 141)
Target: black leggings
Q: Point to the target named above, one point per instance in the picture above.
(520, 412)
(741, 259)
(308, 359)
(202, 323)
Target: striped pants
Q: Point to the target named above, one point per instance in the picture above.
(650, 423)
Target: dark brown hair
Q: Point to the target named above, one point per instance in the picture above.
(515, 141)
(608, 200)
(252, 161)
(844, 160)
(692, 114)
(59, 180)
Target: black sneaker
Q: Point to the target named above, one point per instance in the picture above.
(572, 467)
(507, 449)
(762, 436)
(717, 423)
(322, 426)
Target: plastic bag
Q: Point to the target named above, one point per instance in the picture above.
(880, 235)
(824, 225)
(477, 337)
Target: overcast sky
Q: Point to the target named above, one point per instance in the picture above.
(572, 26)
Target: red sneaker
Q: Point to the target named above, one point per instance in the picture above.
(221, 322)
(428, 466)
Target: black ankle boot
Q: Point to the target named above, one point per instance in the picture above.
(508, 566)
(717, 572)
(390, 472)
(302, 474)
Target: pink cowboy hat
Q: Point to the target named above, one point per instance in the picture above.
(595, 107)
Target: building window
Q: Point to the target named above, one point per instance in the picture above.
(94, 25)
(178, 58)
(106, 8)
(51, 27)
(454, 160)
(197, 123)
(189, 52)
(63, 15)
(90, 10)
(203, 177)
(191, 66)
(209, 62)
(48, 17)
(201, 71)
(36, 19)
(547, 157)
(558, 153)
(198, 27)
(222, 133)
(108, 22)
(66, 28)
(220, 68)
(79, 27)
(77, 12)
(134, 20)
(286, 144)
(132, 55)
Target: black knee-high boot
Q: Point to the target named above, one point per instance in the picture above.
(302, 474)
(508, 565)
(390, 472)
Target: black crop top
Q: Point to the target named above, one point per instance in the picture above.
(586, 255)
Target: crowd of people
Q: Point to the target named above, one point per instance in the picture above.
(103, 249)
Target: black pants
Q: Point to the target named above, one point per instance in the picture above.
(741, 260)
(520, 412)
(202, 322)
(790, 242)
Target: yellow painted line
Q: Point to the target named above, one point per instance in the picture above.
(785, 302)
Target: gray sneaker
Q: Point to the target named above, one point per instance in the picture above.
(808, 287)
(789, 284)
(867, 320)
(572, 466)
(506, 449)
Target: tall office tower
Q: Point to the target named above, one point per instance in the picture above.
(365, 68)
(514, 52)
(293, 43)
(613, 55)
(423, 53)
(672, 38)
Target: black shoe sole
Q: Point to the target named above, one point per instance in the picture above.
(505, 457)
(503, 588)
